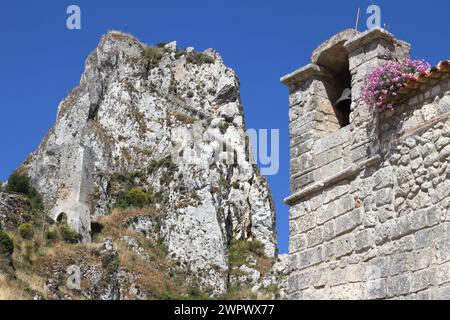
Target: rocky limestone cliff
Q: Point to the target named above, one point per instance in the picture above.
(136, 109)
(14, 210)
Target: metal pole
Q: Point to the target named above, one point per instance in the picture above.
(357, 19)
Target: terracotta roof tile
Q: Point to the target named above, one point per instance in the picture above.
(430, 77)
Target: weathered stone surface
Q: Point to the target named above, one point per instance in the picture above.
(398, 285)
(443, 250)
(132, 112)
(384, 230)
(101, 273)
(345, 245)
(348, 222)
(376, 289)
(365, 239)
(14, 210)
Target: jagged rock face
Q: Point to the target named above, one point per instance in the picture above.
(98, 266)
(14, 210)
(132, 118)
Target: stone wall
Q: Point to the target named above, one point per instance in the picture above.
(369, 214)
(75, 190)
(314, 138)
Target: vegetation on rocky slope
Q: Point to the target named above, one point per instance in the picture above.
(247, 259)
(35, 257)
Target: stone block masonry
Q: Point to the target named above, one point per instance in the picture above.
(369, 215)
(73, 202)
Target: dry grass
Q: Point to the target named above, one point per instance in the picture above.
(153, 277)
(264, 264)
(180, 117)
(36, 261)
(153, 274)
(154, 53)
(119, 215)
(64, 253)
(25, 251)
(34, 281)
(241, 250)
(244, 293)
(114, 223)
(11, 289)
(238, 293)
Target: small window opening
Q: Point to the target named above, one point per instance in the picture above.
(339, 88)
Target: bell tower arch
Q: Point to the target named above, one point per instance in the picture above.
(335, 148)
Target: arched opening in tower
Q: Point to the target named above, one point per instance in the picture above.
(339, 87)
(61, 218)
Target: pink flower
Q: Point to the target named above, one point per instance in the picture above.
(385, 81)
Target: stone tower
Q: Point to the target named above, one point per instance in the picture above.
(75, 189)
(370, 192)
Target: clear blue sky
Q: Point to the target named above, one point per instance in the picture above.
(41, 61)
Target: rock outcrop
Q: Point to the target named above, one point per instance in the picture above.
(158, 119)
(14, 210)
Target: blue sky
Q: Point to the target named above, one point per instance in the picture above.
(41, 60)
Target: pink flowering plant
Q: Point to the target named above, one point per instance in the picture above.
(385, 81)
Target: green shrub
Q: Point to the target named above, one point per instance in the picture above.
(136, 198)
(36, 199)
(6, 245)
(68, 235)
(240, 250)
(223, 183)
(256, 247)
(154, 55)
(199, 58)
(18, 183)
(51, 235)
(27, 252)
(26, 231)
(190, 94)
(179, 53)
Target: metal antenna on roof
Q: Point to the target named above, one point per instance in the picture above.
(357, 19)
